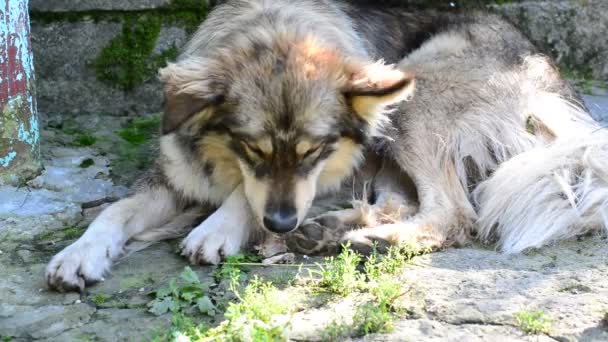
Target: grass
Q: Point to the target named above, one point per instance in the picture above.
(533, 322)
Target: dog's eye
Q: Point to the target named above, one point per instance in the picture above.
(252, 150)
(313, 152)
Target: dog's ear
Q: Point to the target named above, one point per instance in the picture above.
(371, 88)
(190, 89)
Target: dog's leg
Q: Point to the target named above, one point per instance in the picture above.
(90, 257)
(395, 200)
(223, 233)
(444, 217)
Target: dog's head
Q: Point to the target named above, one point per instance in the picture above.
(293, 117)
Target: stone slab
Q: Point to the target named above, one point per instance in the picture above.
(95, 5)
(572, 32)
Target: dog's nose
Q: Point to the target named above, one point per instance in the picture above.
(281, 221)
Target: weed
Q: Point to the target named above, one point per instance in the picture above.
(533, 322)
(370, 319)
(259, 314)
(340, 275)
(100, 298)
(233, 267)
(392, 262)
(336, 331)
(189, 294)
(604, 321)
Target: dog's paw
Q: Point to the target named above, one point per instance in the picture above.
(78, 265)
(364, 242)
(316, 236)
(210, 242)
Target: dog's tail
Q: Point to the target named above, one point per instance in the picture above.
(552, 192)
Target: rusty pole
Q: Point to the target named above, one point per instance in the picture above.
(19, 133)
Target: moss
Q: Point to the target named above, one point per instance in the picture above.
(72, 233)
(69, 233)
(135, 149)
(87, 163)
(141, 131)
(124, 62)
(136, 282)
(100, 298)
(85, 139)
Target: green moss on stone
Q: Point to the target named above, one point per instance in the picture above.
(72, 233)
(100, 298)
(69, 233)
(136, 148)
(87, 163)
(124, 62)
(85, 139)
(141, 131)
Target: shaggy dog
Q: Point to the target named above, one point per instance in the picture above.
(274, 104)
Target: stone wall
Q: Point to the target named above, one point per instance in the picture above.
(101, 56)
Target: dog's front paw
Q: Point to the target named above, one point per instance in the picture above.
(318, 235)
(210, 242)
(365, 242)
(78, 265)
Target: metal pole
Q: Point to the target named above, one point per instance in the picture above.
(19, 133)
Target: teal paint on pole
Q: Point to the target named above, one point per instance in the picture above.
(19, 131)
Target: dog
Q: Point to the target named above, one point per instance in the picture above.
(452, 126)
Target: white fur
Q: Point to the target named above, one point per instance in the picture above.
(90, 257)
(547, 194)
(223, 233)
(187, 176)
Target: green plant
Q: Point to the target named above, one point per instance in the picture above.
(335, 331)
(234, 267)
(259, 314)
(339, 275)
(533, 322)
(370, 319)
(393, 261)
(189, 294)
